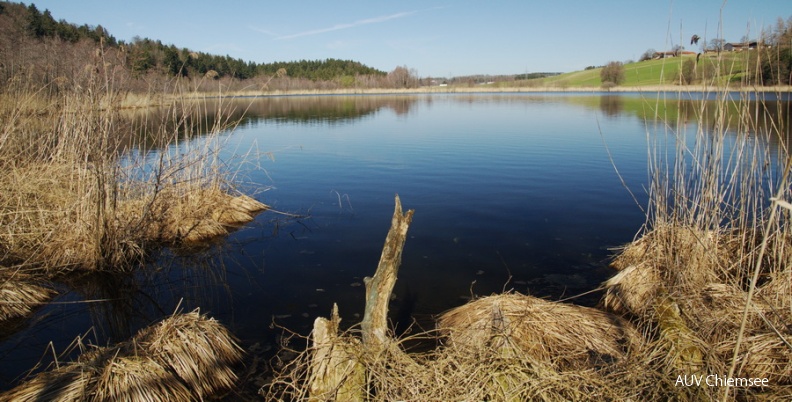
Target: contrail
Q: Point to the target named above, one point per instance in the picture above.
(347, 26)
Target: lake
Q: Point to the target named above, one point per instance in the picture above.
(523, 192)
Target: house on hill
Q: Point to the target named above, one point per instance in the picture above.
(739, 46)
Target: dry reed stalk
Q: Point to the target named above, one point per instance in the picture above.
(185, 357)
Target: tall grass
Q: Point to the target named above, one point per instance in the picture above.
(88, 187)
(79, 190)
(709, 279)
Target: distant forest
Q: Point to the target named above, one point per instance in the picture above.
(49, 51)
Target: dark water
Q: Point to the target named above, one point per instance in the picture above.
(511, 191)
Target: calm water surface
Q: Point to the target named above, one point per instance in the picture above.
(511, 191)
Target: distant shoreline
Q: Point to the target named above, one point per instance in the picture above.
(147, 100)
(487, 89)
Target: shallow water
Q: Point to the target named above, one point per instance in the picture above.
(511, 191)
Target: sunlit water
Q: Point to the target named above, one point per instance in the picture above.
(510, 191)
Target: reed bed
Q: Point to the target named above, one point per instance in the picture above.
(80, 193)
(78, 190)
(709, 278)
(185, 357)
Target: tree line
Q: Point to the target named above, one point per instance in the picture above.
(149, 55)
(50, 52)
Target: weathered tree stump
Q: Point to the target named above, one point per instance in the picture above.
(380, 287)
(337, 372)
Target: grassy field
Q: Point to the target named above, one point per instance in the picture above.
(656, 72)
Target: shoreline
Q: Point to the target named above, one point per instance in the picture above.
(489, 89)
(133, 101)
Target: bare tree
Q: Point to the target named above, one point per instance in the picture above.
(648, 54)
(402, 77)
(612, 74)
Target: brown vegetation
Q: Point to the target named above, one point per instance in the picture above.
(78, 195)
(558, 334)
(185, 357)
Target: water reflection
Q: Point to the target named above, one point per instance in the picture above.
(195, 118)
(764, 114)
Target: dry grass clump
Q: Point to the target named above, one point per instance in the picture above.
(20, 294)
(507, 347)
(562, 335)
(139, 379)
(685, 290)
(200, 214)
(183, 358)
(709, 280)
(666, 256)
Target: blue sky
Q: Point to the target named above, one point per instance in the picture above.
(436, 38)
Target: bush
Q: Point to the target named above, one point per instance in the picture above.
(687, 75)
(613, 73)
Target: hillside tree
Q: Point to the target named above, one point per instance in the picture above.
(612, 73)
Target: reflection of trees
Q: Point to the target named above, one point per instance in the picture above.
(155, 128)
(198, 118)
(766, 118)
(325, 109)
(611, 105)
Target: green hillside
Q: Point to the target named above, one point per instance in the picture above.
(658, 72)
